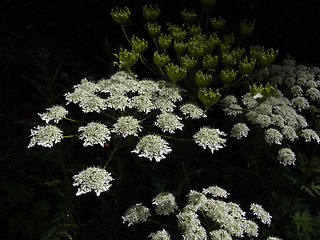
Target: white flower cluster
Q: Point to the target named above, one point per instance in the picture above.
(211, 138)
(130, 105)
(152, 146)
(136, 214)
(281, 115)
(228, 218)
(45, 136)
(92, 179)
(264, 216)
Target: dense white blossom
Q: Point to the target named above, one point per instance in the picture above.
(160, 235)
(92, 179)
(192, 111)
(168, 122)
(273, 136)
(94, 133)
(286, 156)
(165, 203)
(211, 138)
(220, 234)
(45, 136)
(262, 214)
(152, 146)
(136, 214)
(55, 113)
(126, 126)
(309, 135)
(215, 191)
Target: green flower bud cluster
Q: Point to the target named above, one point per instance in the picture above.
(211, 43)
(127, 59)
(187, 62)
(227, 76)
(160, 59)
(194, 30)
(196, 46)
(209, 62)
(138, 45)
(261, 92)
(121, 16)
(208, 3)
(179, 47)
(177, 33)
(228, 39)
(246, 27)
(188, 16)
(164, 41)
(208, 97)
(218, 23)
(227, 59)
(175, 73)
(153, 29)
(202, 80)
(246, 66)
(265, 57)
(151, 13)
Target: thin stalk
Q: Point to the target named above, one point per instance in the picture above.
(163, 224)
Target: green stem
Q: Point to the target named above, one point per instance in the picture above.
(163, 224)
(108, 115)
(125, 34)
(73, 120)
(112, 153)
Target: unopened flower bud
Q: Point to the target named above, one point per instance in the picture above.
(177, 33)
(227, 59)
(187, 62)
(228, 39)
(267, 57)
(164, 41)
(194, 30)
(153, 30)
(196, 47)
(121, 16)
(218, 23)
(208, 97)
(202, 80)
(179, 47)
(227, 76)
(209, 62)
(211, 43)
(138, 45)
(261, 92)
(246, 27)
(127, 59)
(246, 66)
(189, 17)
(151, 13)
(175, 73)
(160, 59)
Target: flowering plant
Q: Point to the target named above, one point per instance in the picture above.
(229, 100)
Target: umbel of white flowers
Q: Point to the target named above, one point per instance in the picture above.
(224, 220)
(128, 104)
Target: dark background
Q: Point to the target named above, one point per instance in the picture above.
(48, 46)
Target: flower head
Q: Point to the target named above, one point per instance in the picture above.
(126, 126)
(215, 191)
(273, 136)
(211, 138)
(165, 203)
(220, 234)
(192, 111)
(45, 136)
(55, 113)
(92, 178)
(309, 135)
(286, 156)
(263, 215)
(94, 133)
(152, 146)
(136, 214)
(160, 235)
(168, 122)
(239, 131)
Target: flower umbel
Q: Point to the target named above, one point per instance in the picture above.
(92, 178)
(55, 113)
(152, 146)
(45, 136)
(211, 138)
(94, 133)
(165, 203)
(262, 214)
(136, 214)
(127, 126)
